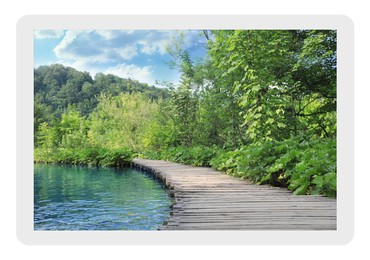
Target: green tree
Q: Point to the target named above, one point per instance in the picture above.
(121, 121)
(264, 67)
(73, 129)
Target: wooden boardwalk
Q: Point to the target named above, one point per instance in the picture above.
(206, 199)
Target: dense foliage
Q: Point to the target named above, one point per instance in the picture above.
(305, 165)
(56, 87)
(261, 105)
(91, 156)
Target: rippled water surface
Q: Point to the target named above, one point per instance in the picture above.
(82, 198)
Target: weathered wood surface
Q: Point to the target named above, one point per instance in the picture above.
(206, 199)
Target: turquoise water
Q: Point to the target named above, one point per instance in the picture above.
(82, 198)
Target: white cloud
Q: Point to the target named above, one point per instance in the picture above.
(151, 47)
(115, 46)
(113, 52)
(107, 34)
(44, 34)
(127, 53)
(123, 70)
(80, 65)
(68, 39)
(79, 45)
(111, 34)
(96, 46)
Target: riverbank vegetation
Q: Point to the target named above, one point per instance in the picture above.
(261, 105)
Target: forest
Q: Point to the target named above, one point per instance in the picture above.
(260, 106)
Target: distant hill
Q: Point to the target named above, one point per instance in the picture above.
(56, 87)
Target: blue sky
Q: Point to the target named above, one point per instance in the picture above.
(139, 54)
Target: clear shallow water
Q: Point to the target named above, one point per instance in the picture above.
(82, 198)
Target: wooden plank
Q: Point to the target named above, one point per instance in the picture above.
(261, 214)
(205, 199)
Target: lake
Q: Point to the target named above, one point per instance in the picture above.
(83, 198)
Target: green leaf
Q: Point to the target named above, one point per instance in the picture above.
(276, 167)
(237, 88)
(256, 88)
(331, 179)
(231, 69)
(301, 190)
(318, 181)
(258, 115)
(280, 147)
(278, 111)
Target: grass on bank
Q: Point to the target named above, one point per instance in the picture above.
(303, 165)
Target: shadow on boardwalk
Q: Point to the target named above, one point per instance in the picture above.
(206, 199)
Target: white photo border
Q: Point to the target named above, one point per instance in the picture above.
(345, 125)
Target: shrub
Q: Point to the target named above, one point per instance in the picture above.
(196, 156)
(304, 165)
(92, 156)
